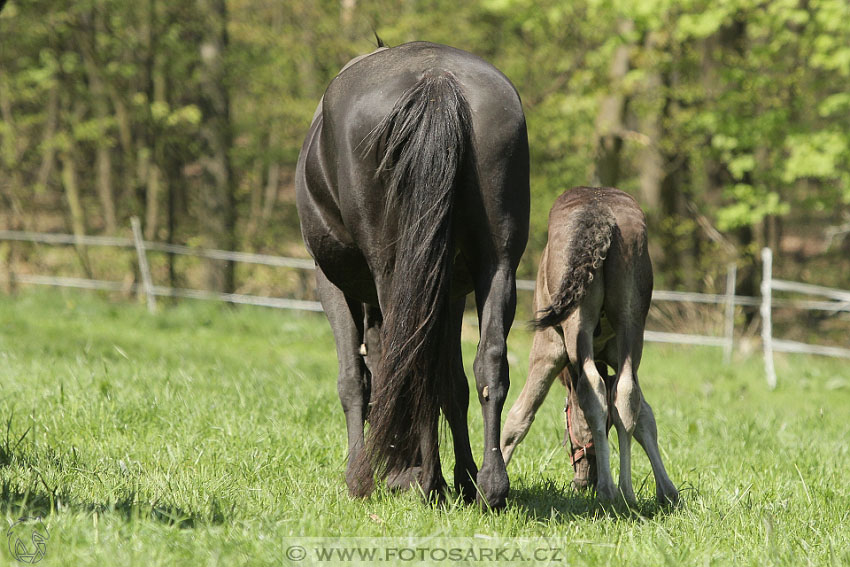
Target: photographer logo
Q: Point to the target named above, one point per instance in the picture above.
(28, 540)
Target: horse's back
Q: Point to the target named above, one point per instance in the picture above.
(373, 84)
(338, 186)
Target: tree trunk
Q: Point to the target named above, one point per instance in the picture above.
(100, 106)
(152, 193)
(75, 205)
(48, 159)
(72, 193)
(218, 200)
(9, 149)
(309, 83)
(346, 15)
(10, 152)
(612, 113)
(677, 261)
(273, 179)
(651, 162)
(126, 164)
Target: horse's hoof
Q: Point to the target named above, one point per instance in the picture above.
(436, 494)
(493, 489)
(668, 498)
(403, 479)
(465, 485)
(607, 495)
(360, 487)
(492, 503)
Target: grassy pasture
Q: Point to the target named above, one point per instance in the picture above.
(207, 435)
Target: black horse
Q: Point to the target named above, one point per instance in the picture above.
(412, 190)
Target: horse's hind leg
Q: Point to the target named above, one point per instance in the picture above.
(346, 319)
(426, 472)
(547, 359)
(646, 434)
(456, 409)
(431, 480)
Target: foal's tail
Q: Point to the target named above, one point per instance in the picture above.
(421, 146)
(587, 250)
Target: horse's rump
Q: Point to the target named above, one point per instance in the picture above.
(421, 146)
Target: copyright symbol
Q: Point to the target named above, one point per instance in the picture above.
(296, 553)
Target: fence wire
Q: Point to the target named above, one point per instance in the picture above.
(836, 300)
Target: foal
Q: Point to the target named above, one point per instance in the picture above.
(594, 286)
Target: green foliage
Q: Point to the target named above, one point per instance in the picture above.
(819, 155)
(744, 102)
(749, 205)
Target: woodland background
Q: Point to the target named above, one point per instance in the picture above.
(729, 120)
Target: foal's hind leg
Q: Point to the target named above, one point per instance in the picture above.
(579, 436)
(626, 402)
(590, 385)
(646, 434)
(346, 319)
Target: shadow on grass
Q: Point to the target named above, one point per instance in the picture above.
(548, 501)
(39, 499)
(39, 503)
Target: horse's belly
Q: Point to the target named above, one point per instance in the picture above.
(327, 238)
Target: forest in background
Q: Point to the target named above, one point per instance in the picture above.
(728, 120)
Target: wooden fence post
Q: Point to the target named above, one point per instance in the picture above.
(731, 275)
(143, 264)
(766, 327)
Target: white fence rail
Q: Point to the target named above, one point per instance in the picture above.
(837, 300)
(152, 291)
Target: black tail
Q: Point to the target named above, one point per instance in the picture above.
(421, 146)
(587, 250)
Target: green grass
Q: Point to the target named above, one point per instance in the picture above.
(207, 435)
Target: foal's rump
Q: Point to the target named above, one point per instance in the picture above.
(595, 233)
